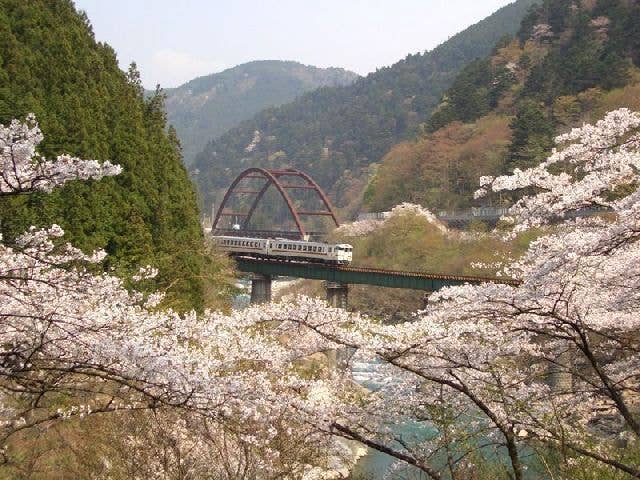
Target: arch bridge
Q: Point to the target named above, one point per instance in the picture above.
(249, 190)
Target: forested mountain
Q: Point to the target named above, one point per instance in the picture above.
(51, 65)
(335, 134)
(569, 63)
(208, 106)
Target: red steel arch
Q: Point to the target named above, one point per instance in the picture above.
(274, 177)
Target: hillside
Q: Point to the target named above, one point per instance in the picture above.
(336, 134)
(208, 106)
(567, 65)
(51, 65)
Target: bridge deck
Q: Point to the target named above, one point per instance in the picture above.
(360, 275)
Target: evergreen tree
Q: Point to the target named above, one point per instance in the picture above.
(51, 65)
(532, 136)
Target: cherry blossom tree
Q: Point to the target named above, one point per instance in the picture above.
(75, 343)
(552, 364)
(471, 373)
(364, 227)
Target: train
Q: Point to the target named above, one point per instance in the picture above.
(288, 250)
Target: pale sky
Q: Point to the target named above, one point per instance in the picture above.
(173, 41)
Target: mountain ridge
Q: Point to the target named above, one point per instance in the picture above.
(336, 134)
(567, 65)
(207, 106)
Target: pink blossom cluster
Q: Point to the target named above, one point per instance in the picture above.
(364, 227)
(23, 170)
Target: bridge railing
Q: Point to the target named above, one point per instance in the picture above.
(481, 213)
(475, 212)
(373, 216)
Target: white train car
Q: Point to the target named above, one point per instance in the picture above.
(310, 251)
(243, 245)
(281, 248)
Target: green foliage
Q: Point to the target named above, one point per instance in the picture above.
(590, 48)
(50, 64)
(532, 136)
(335, 134)
(474, 93)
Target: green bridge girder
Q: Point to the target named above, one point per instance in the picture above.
(364, 276)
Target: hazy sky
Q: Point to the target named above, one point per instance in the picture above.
(173, 41)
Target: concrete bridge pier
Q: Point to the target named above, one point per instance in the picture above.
(260, 288)
(337, 294)
(558, 377)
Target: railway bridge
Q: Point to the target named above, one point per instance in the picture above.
(337, 278)
(239, 207)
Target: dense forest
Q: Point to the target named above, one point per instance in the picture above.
(51, 65)
(208, 106)
(336, 134)
(569, 63)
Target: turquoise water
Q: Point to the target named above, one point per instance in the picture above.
(379, 466)
(375, 465)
